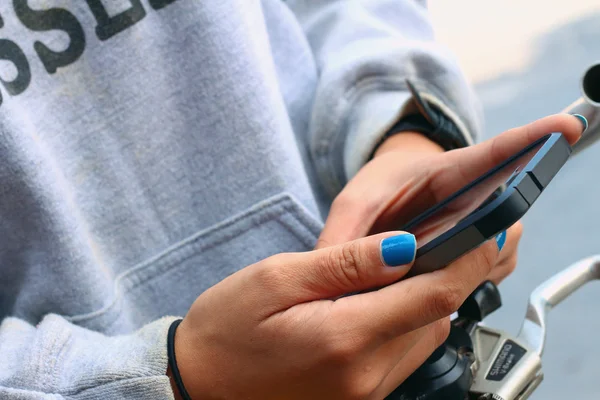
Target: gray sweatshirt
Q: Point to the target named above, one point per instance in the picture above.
(150, 148)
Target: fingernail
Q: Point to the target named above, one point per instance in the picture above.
(500, 240)
(398, 250)
(583, 121)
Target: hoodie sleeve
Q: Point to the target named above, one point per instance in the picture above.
(365, 50)
(59, 360)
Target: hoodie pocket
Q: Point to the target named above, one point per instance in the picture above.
(169, 283)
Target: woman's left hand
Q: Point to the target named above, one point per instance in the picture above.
(409, 173)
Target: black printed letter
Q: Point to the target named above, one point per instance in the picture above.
(158, 4)
(51, 19)
(10, 51)
(109, 26)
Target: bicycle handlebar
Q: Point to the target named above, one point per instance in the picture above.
(588, 105)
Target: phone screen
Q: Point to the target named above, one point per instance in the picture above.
(470, 199)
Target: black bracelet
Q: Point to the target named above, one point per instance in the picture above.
(415, 123)
(428, 121)
(173, 361)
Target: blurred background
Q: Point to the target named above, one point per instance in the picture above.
(525, 58)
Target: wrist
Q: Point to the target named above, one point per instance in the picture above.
(181, 371)
(424, 131)
(176, 394)
(410, 142)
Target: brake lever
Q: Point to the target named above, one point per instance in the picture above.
(508, 367)
(551, 293)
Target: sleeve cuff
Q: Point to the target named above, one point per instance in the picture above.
(376, 113)
(59, 359)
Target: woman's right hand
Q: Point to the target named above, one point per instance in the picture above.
(279, 329)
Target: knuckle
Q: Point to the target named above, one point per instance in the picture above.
(445, 299)
(517, 231)
(441, 331)
(511, 265)
(342, 352)
(486, 258)
(268, 272)
(346, 264)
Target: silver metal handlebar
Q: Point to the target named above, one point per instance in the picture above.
(588, 105)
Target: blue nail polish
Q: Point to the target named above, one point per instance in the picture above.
(583, 120)
(399, 250)
(500, 240)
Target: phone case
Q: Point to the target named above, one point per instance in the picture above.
(522, 190)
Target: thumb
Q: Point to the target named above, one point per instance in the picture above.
(358, 265)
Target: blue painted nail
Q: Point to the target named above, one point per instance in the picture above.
(500, 240)
(398, 250)
(583, 120)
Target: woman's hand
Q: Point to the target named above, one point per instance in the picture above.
(283, 329)
(279, 329)
(409, 174)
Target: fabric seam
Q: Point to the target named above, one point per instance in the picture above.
(121, 286)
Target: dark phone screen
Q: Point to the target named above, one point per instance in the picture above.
(470, 199)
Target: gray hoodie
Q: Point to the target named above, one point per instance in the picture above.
(148, 149)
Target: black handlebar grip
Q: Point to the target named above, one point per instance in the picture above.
(482, 302)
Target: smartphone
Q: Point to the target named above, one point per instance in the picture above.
(487, 206)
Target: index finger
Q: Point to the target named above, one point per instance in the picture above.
(475, 160)
(420, 300)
